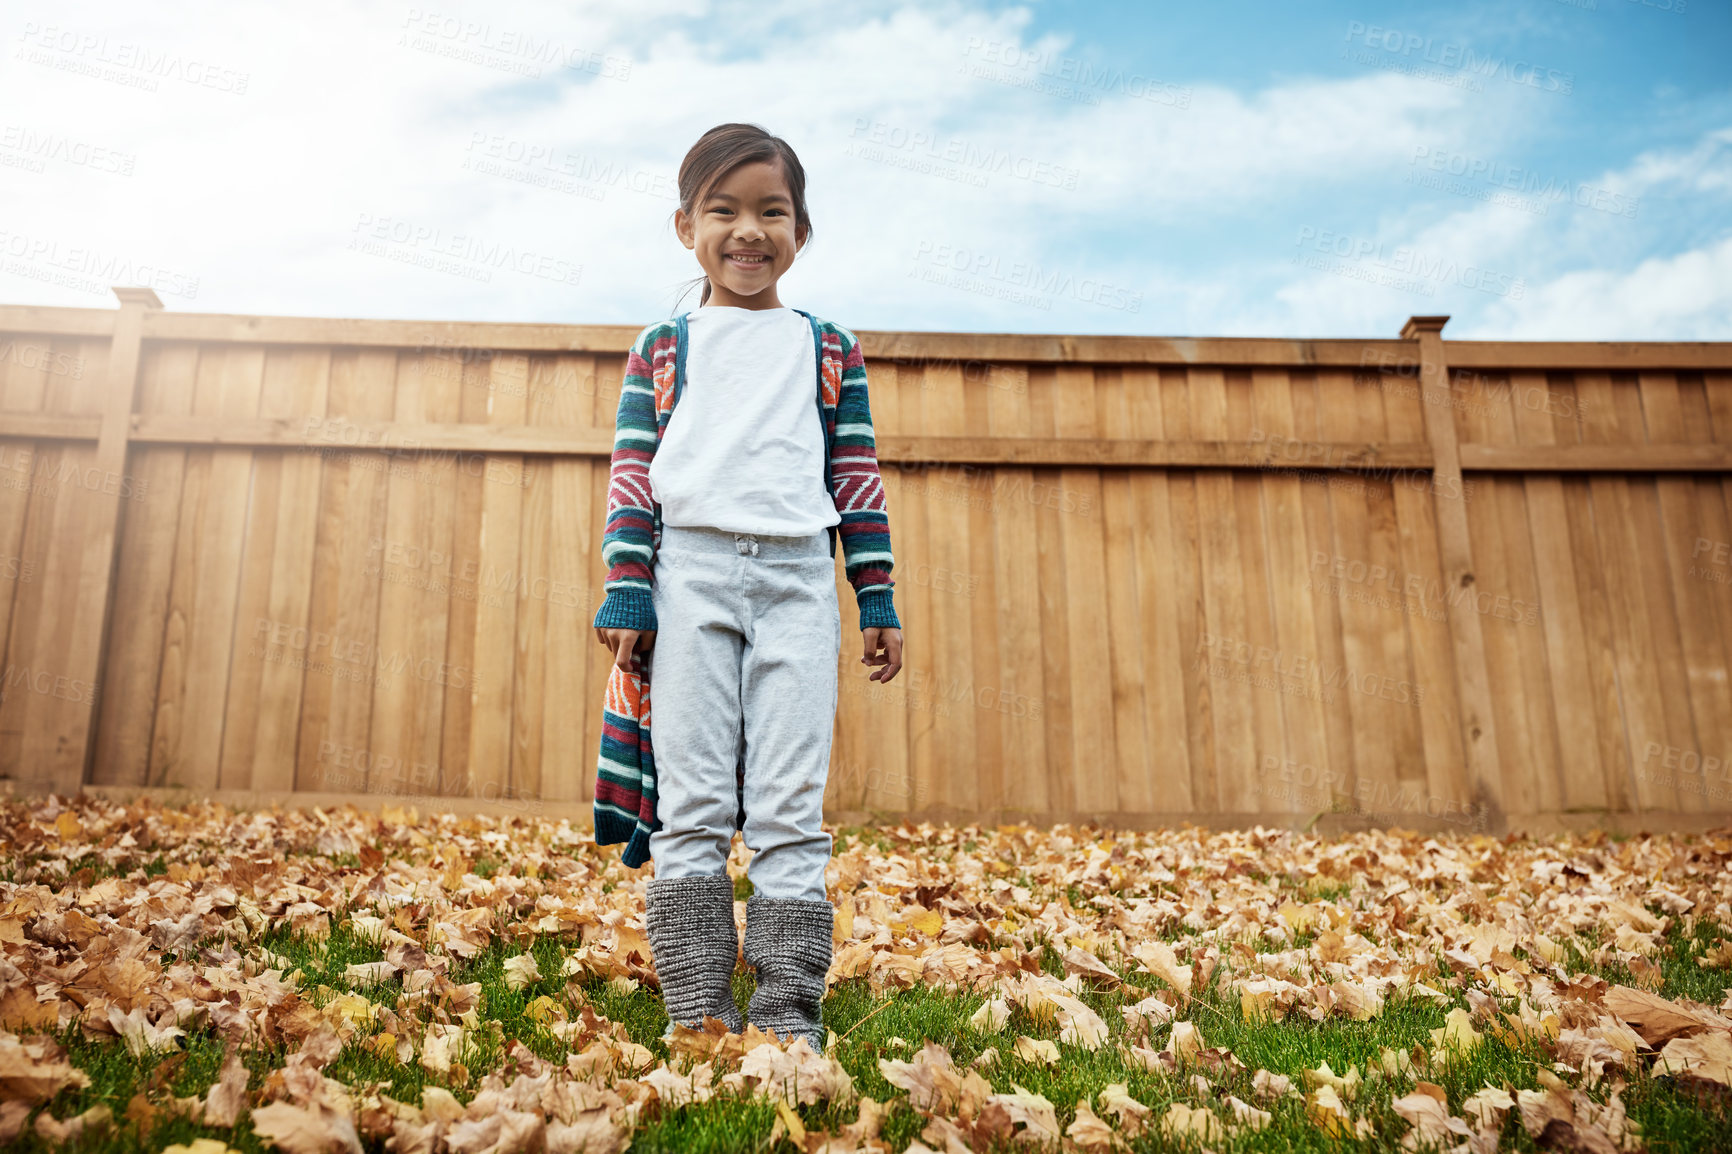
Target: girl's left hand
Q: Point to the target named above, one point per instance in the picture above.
(883, 647)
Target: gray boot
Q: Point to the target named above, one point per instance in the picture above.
(788, 942)
(692, 935)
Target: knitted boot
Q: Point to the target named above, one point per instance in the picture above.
(692, 935)
(788, 942)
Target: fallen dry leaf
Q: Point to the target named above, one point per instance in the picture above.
(34, 1069)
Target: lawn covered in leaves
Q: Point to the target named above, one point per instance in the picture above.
(321, 981)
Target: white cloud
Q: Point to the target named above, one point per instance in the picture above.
(390, 112)
(1573, 271)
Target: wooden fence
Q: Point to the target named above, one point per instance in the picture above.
(1436, 584)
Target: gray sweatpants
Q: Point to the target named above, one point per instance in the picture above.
(748, 634)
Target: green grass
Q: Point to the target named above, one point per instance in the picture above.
(894, 1026)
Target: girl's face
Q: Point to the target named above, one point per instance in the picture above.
(744, 236)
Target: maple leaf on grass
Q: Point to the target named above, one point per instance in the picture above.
(34, 1069)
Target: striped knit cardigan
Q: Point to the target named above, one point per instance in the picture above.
(655, 371)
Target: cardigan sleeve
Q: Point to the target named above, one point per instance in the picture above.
(627, 543)
(859, 493)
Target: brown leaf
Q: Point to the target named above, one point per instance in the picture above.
(1657, 1020)
(1707, 1056)
(1080, 961)
(34, 1069)
(51, 1129)
(228, 1094)
(1572, 1139)
(312, 1129)
(12, 1118)
(1090, 1133)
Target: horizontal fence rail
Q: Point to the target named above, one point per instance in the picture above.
(1445, 584)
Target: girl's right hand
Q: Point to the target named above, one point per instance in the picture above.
(623, 642)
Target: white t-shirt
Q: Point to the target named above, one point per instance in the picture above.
(744, 447)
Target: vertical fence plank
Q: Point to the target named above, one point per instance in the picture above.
(47, 739)
(1021, 670)
(564, 395)
(1455, 552)
(953, 771)
(339, 644)
(1304, 751)
(1227, 651)
(414, 561)
(497, 543)
(297, 383)
(1088, 660)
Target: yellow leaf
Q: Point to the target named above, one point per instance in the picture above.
(1457, 1032)
(1185, 1041)
(1346, 1086)
(796, 1129)
(67, 826)
(521, 971)
(1042, 1050)
(991, 1017)
(1181, 1120)
(1326, 1109)
(543, 1010)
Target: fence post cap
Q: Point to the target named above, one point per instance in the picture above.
(137, 294)
(1417, 325)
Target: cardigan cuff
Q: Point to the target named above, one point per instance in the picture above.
(876, 610)
(626, 608)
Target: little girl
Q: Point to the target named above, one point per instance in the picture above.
(743, 449)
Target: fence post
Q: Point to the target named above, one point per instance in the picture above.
(95, 593)
(1455, 556)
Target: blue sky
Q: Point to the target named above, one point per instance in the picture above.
(1536, 169)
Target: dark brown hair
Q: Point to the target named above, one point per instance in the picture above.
(725, 148)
